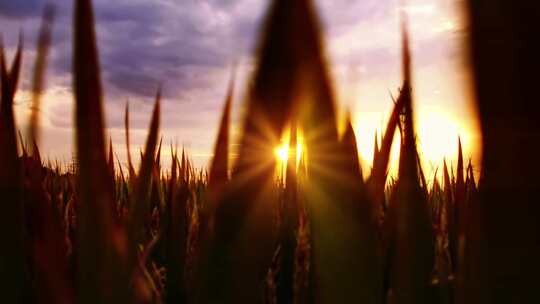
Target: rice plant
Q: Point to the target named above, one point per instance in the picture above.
(316, 231)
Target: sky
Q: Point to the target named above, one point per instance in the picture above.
(189, 46)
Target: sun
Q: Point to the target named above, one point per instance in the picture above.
(283, 153)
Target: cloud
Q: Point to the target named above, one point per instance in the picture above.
(188, 46)
(20, 8)
(142, 45)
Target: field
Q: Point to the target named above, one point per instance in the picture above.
(302, 226)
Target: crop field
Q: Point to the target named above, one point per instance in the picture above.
(297, 224)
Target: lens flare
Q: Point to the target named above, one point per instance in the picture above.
(283, 153)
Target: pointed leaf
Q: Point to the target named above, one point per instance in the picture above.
(140, 208)
(43, 45)
(220, 163)
(99, 257)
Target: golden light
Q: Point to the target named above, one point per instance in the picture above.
(437, 139)
(282, 153)
(438, 135)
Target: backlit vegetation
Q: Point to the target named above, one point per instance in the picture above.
(286, 223)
